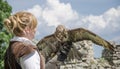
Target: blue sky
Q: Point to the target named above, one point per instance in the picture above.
(100, 16)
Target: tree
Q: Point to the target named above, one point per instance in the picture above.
(5, 10)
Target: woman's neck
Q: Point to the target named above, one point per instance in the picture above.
(26, 37)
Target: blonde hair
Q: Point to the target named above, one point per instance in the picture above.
(16, 23)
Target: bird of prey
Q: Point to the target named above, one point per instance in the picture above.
(63, 37)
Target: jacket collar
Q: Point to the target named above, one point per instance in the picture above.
(22, 39)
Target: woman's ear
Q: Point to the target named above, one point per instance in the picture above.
(26, 30)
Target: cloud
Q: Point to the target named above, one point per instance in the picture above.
(107, 22)
(36, 10)
(54, 13)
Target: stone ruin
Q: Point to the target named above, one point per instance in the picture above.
(109, 60)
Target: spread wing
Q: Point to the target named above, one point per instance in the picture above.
(48, 46)
(83, 34)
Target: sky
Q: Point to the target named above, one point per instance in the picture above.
(99, 16)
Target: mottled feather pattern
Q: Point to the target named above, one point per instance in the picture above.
(51, 45)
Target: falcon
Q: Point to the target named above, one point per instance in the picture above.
(61, 41)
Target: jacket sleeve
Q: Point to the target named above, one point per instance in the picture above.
(27, 56)
(19, 49)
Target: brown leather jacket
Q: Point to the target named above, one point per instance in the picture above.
(15, 51)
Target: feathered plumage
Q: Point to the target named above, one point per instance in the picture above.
(51, 44)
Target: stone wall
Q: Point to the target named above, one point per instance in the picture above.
(113, 57)
(109, 60)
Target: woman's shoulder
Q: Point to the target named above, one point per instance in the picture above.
(20, 49)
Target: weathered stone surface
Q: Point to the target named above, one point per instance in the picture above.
(109, 60)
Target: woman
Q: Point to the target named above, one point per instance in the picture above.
(22, 53)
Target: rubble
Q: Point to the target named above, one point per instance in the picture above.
(109, 60)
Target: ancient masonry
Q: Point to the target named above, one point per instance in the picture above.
(109, 60)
